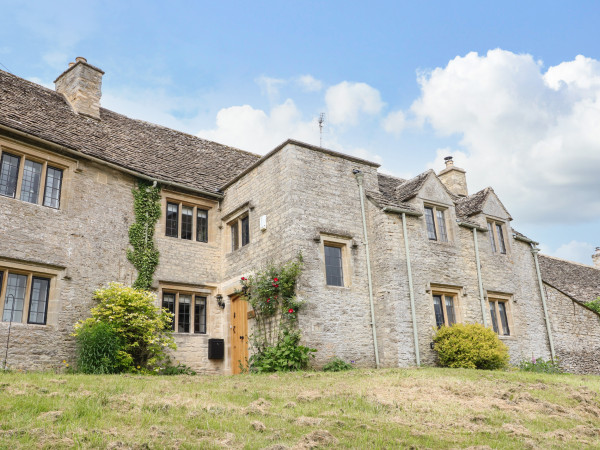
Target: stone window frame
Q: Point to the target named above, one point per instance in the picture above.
(236, 228)
(30, 271)
(194, 291)
(196, 203)
(451, 291)
(46, 159)
(344, 243)
(507, 300)
(445, 210)
(494, 238)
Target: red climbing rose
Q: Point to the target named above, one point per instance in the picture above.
(290, 310)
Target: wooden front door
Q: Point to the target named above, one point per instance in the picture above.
(239, 335)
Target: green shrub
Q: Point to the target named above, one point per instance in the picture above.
(99, 350)
(179, 369)
(287, 355)
(539, 365)
(337, 365)
(142, 327)
(470, 346)
(594, 305)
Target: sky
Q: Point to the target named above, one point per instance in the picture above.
(510, 89)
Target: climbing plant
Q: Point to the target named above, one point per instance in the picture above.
(144, 255)
(275, 341)
(594, 305)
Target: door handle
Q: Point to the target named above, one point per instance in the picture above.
(234, 329)
(242, 338)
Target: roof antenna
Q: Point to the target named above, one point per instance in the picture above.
(321, 122)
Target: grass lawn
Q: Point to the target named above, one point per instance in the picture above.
(390, 408)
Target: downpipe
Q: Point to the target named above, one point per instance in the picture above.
(411, 292)
(359, 179)
(534, 252)
(477, 261)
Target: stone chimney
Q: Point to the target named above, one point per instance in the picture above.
(81, 84)
(596, 258)
(454, 178)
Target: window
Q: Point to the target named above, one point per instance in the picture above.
(24, 296)
(337, 264)
(240, 232)
(496, 232)
(21, 177)
(435, 219)
(188, 309)
(500, 315)
(445, 307)
(333, 265)
(186, 221)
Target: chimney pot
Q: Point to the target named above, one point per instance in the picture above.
(71, 64)
(80, 59)
(449, 161)
(81, 85)
(596, 258)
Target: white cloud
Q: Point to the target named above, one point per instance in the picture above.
(257, 131)
(270, 86)
(573, 251)
(345, 101)
(394, 122)
(309, 83)
(533, 136)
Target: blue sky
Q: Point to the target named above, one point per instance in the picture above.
(510, 89)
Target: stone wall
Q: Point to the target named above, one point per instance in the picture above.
(575, 333)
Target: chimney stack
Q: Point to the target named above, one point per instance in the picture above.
(454, 178)
(81, 84)
(596, 258)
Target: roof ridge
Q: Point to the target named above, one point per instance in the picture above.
(587, 266)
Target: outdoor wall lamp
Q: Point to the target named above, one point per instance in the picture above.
(220, 301)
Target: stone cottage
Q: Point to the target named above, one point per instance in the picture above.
(386, 259)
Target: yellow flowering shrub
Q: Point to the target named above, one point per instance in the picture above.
(471, 346)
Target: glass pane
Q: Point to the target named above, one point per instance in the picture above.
(245, 230)
(491, 233)
(430, 225)
(200, 315)
(333, 266)
(169, 304)
(503, 318)
(9, 172)
(439, 312)
(14, 298)
(30, 187)
(500, 238)
(202, 226)
(442, 226)
(172, 220)
(187, 218)
(39, 300)
(53, 186)
(185, 302)
(494, 317)
(450, 310)
(234, 236)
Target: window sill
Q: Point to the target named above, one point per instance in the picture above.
(38, 205)
(507, 338)
(189, 334)
(340, 288)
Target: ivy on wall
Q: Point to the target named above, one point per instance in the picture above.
(144, 255)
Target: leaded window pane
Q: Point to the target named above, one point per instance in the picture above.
(183, 323)
(9, 173)
(14, 299)
(430, 224)
(202, 225)
(491, 233)
(503, 318)
(30, 186)
(245, 230)
(39, 300)
(442, 226)
(333, 266)
(450, 310)
(172, 220)
(200, 315)
(234, 236)
(187, 219)
(500, 238)
(53, 186)
(169, 304)
(494, 318)
(439, 312)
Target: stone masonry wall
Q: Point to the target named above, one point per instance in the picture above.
(576, 333)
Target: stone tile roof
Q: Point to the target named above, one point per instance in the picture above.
(576, 280)
(140, 146)
(386, 196)
(388, 183)
(408, 189)
(473, 204)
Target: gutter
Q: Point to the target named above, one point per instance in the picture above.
(109, 164)
(408, 212)
(524, 239)
(359, 179)
(534, 252)
(471, 225)
(411, 291)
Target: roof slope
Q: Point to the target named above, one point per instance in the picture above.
(576, 280)
(133, 144)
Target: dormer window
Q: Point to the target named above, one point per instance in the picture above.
(496, 232)
(435, 218)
